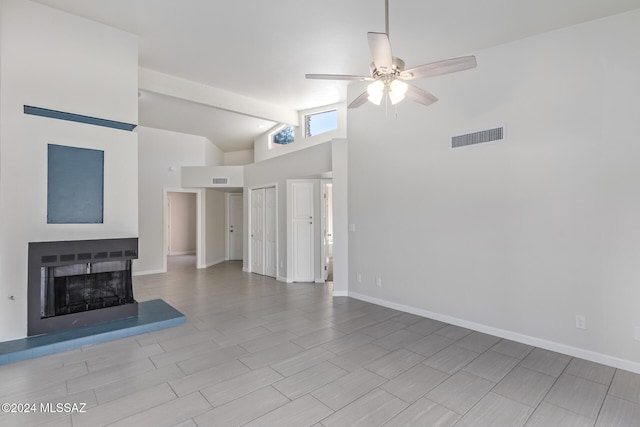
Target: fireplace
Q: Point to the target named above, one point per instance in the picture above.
(79, 283)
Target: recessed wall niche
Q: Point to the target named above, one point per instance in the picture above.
(75, 185)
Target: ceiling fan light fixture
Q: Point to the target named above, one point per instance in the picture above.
(397, 91)
(376, 92)
(388, 73)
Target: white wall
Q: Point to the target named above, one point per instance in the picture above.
(261, 144)
(182, 223)
(238, 158)
(202, 176)
(216, 226)
(514, 238)
(159, 151)
(54, 60)
(309, 163)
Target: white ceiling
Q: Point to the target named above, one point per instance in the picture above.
(262, 49)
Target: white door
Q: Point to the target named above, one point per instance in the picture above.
(271, 236)
(257, 231)
(235, 226)
(302, 229)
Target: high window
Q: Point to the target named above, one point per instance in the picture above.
(317, 123)
(284, 136)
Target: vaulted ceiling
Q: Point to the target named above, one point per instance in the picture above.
(262, 49)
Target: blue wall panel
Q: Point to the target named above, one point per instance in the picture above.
(75, 185)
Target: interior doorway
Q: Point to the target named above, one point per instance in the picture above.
(327, 229)
(181, 230)
(200, 250)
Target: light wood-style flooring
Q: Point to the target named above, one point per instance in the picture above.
(258, 352)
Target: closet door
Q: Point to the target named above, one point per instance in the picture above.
(257, 231)
(271, 236)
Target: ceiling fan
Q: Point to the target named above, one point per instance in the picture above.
(388, 73)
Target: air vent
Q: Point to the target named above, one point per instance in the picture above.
(49, 258)
(489, 135)
(219, 180)
(68, 257)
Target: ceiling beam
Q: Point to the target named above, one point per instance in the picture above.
(165, 84)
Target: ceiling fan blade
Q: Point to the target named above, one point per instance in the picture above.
(420, 96)
(360, 100)
(440, 67)
(380, 48)
(336, 77)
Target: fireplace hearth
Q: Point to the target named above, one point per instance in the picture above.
(79, 283)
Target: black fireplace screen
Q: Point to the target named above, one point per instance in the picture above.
(82, 287)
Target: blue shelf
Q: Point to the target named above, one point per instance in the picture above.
(152, 315)
(61, 115)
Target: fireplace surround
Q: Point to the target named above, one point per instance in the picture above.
(77, 283)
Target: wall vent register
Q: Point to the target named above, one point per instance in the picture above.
(219, 180)
(489, 135)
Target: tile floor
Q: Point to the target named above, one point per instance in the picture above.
(258, 352)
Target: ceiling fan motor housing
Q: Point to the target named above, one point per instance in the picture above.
(397, 66)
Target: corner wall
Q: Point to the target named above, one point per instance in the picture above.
(215, 226)
(513, 238)
(58, 61)
(159, 151)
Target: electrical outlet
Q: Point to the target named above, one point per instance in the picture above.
(581, 322)
(379, 282)
(359, 277)
(352, 228)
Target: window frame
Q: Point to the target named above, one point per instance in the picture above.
(307, 116)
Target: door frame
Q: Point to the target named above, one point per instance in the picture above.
(247, 239)
(200, 226)
(227, 241)
(323, 224)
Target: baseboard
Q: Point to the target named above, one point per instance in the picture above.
(147, 272)
(319, 281)
(246, 270)
(211, 264)
(182, 253)
(510, 335)
(340, 293)
(281, 278)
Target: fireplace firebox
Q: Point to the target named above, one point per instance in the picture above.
(80, 283)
